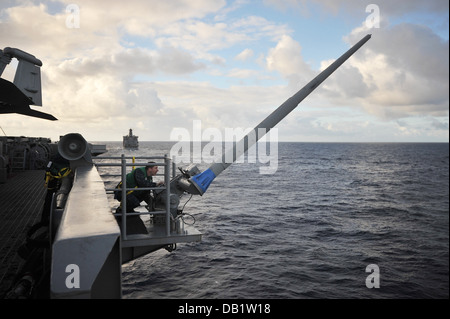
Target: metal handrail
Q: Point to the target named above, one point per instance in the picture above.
(123, 164)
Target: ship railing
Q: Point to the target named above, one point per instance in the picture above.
(124, 164)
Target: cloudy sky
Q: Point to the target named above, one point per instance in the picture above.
(158, 65)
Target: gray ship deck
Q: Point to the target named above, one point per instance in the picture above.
(21, 201)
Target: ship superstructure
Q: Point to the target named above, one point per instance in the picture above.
(130, 141)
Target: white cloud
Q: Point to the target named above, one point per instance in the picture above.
(405, 68)
(90, 74)
(136, 16)
(243, 73)
(388, 7)
(201, 38)
(245, 55)
(286, 58)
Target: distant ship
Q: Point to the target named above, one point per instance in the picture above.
(130, 141)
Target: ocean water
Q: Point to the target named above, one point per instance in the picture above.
(310, 229)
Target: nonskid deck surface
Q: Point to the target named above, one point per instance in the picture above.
(21, 200)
